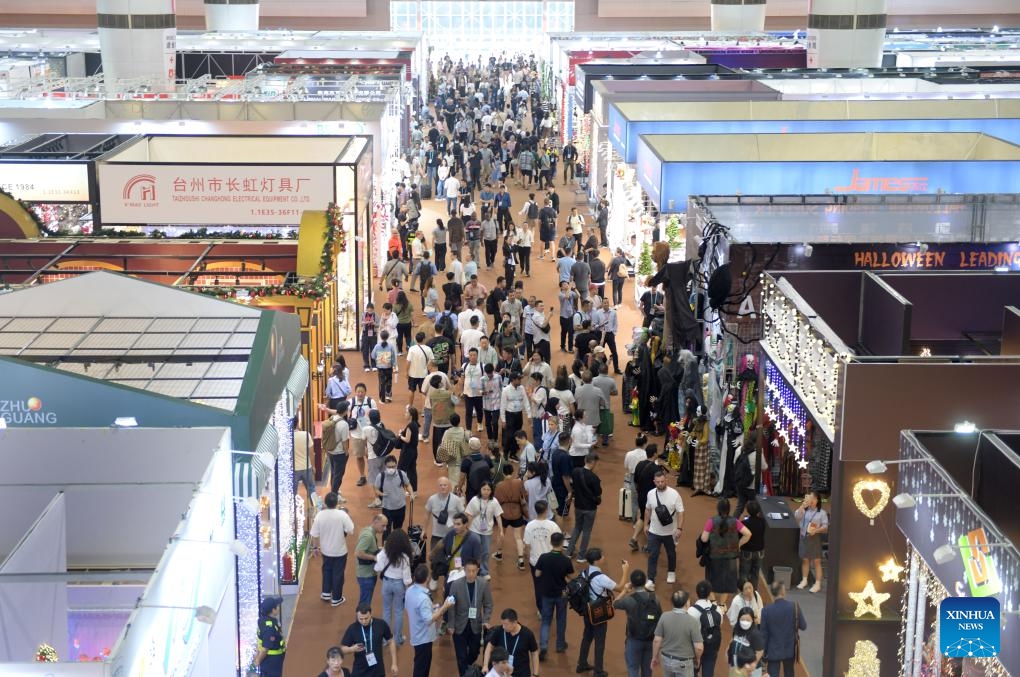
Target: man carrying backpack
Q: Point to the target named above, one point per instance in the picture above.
(598, 588)
(643, 611)
(708, 614)
(379, 441)
(392, 489)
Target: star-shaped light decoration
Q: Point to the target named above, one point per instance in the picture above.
(890, 570)
(864, 606)
(802, 464)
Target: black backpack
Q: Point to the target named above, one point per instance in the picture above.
(578, 589)
(532, 210)
(385, 441)
(445, 326)
(711, 633)
(742, 475)
(641, 624)
(492, 303)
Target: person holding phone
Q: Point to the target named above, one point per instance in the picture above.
(365, 639)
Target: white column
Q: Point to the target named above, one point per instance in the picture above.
(232, 15)
(846, 33)
(738, 16)
(138, 39)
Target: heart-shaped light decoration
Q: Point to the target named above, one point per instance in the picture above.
(874, 510)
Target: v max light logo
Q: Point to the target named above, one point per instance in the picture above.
(969, 627)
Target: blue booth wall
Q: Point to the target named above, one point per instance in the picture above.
(670, 184)
(625, 134)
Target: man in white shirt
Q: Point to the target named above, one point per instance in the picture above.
(329, 533)
(471, 310)
(543, 325)
(452, 187)
(471, 337)
(537, 535)
(472, 390)
(418, 357)
(361, 404)
(442, 501)
(630, 463)
(458, 271)
(339, 454)
(664, 522)
(513, 408)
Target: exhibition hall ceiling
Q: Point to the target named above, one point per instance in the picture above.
(700, 8)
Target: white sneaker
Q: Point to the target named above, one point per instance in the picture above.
(480, 428)
(650, 586)
(802, 584)
(375, 504)
(817, 587)
(671, 577)
(340, 499)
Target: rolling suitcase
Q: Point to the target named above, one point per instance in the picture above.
(625, 504)
(425, 190)
(416, 534)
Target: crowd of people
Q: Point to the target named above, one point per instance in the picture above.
(517, 441)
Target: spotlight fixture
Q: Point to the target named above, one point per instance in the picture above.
(808, 250)
(944, 554)
(965, 427)
(879, 467)
(905, 500)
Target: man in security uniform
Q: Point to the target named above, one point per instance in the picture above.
(272, 645)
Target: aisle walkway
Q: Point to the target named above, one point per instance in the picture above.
(317, 626)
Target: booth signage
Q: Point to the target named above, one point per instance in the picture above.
(938, 257)
(212, 194)
(27, 412)
(45, 182)
(677, 181)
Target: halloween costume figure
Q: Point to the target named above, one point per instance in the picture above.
(730, 434)
(748, 381)
(699, 451)
(669, 392)
(685, 474)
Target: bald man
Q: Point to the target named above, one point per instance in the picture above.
(443, 501)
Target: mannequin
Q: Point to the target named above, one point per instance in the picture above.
(730, 433)
(701, 479)
(685, 475)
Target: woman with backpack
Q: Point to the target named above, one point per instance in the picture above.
(724, 536)
(484, 512)
(393, 564)
(746, 637)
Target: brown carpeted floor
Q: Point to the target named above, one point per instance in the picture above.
(317, 626)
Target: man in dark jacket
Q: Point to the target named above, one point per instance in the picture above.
(587, 493)
(781, 621)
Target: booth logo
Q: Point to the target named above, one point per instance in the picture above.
(26, 412)
(969, 627)
(884, 184)
(140, 188)
(978, 566)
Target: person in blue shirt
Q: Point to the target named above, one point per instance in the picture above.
(422, 616)
(564, 262)
(599, 585)
(337, 387)
(562, 469)
(384, 356)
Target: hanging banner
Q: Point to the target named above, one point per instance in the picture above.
(140, 194)
(45, 182)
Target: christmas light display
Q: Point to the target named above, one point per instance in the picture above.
(869, 601)
(291, 537)
(864, 662)
(249, 583)
(786, 411)
(811, 365)
(890, 571)
(874, 509)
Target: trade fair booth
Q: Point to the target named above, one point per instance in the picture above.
(961, 533)
(849, 359)
(671, 168)
(147, 355)
(54, 176)
(114, 561)
(743, 236)
(175, 185)
(628, 121)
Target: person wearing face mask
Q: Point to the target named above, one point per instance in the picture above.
(745, 636)
(392, 487)
(747, 598)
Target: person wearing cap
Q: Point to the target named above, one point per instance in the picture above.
(272, 645)
(513, 407)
